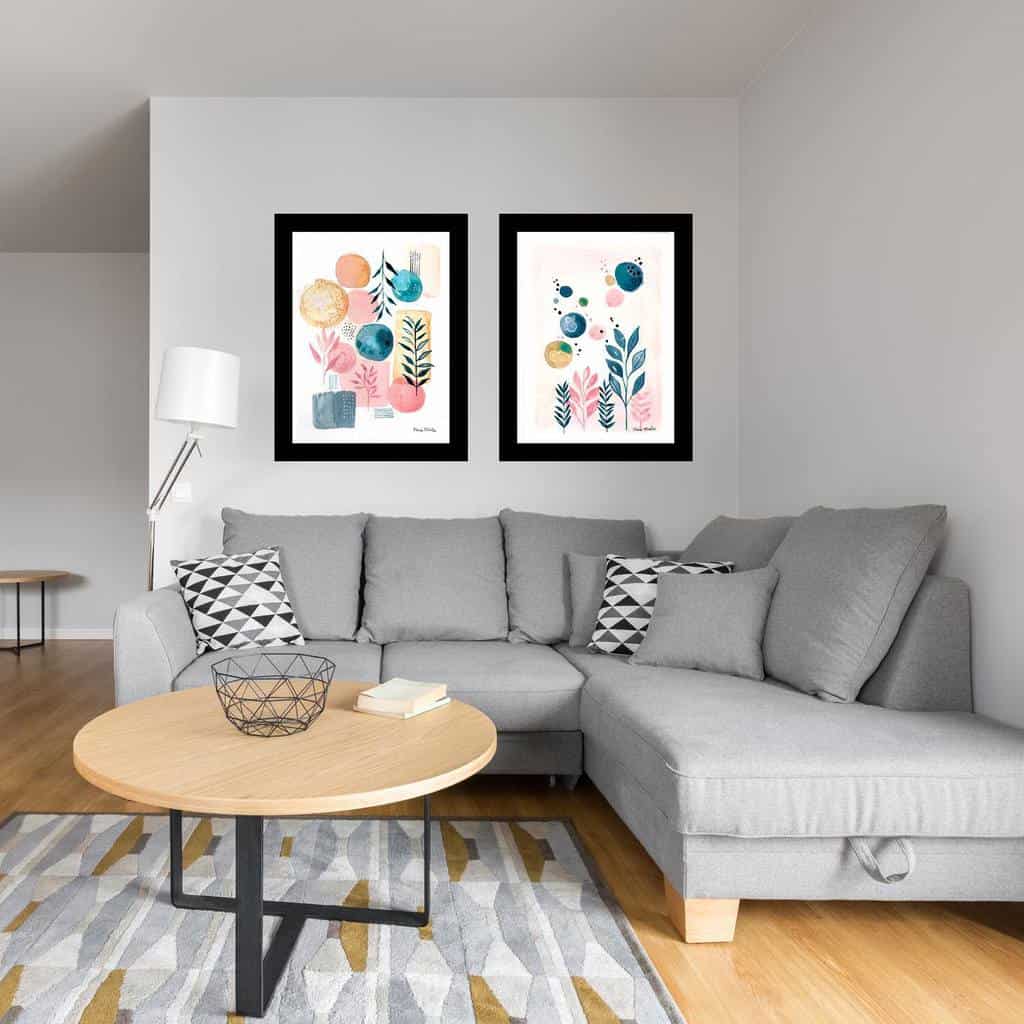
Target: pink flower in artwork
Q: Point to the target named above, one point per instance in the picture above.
(640, 408)
(583, 396)
(365, 379)
(332, 354)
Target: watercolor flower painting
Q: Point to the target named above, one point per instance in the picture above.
(595, 337)
(371, 337)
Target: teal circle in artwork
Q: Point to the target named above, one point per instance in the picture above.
(573, 325)
(407, 286)
(629, 276)
(584, 301)
(375, 342)
(565, 291)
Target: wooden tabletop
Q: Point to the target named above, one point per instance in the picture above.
(177, 750)
(31, 575)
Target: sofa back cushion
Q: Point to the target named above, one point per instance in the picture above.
(747, 543)
(321, 561)
(433, 579)
(928, 667)
(846, 580)
(536, 550)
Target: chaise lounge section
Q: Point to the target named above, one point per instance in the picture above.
(738, 788)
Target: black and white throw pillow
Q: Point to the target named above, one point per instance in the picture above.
(630, 590)
(238, 600)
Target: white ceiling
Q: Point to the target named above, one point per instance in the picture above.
(75, 77)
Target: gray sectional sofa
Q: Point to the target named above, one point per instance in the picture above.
(738, 788)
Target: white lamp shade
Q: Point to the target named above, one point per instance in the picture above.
(199, 385)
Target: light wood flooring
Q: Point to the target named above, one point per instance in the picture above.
(813, 962)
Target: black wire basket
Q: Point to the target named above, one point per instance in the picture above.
(272, 694)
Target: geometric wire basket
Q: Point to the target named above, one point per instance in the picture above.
(272, 694)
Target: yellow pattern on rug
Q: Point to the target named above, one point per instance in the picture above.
(486, 1006)
(355, 937)
(197, 843)
(530, 852)
(595, 1009)
(22, 916)
(106, 1001)
(9, 988)
(455, 850)
(123, 845)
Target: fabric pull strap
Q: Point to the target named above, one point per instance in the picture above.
(869, 862)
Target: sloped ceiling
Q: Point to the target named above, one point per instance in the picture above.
(75, 77)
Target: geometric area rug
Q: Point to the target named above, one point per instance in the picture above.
(522, 927)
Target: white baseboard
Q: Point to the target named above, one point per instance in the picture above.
(30, 633)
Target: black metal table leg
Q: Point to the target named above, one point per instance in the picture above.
(256, 974)
(18, 646)
(249, 917)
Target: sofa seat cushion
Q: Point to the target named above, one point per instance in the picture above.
(354, 662)
(720, 755)
(520, 687)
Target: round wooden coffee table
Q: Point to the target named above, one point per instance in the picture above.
(178, 751)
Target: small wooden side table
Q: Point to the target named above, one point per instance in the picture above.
(17, 577)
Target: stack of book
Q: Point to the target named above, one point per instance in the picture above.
(402, 698)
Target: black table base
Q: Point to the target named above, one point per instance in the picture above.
(17, 647)
(256, 975)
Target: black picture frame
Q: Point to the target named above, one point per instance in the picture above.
(457, 447)
(510, 449)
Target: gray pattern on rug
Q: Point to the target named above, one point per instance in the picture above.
(522, 928)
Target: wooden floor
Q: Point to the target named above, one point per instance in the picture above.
(814, 962)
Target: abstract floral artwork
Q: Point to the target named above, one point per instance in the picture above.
(371, 337)
(596, 337)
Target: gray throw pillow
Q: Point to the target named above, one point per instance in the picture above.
(713, 623)
(586, 585)
(539, 603)
(321, 561)
(434, 579)
(846, 579)
(630, 591)
(747, 543)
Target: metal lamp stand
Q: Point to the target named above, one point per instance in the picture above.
(163, 492)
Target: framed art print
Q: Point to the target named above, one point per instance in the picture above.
(370, 346)
(596, 337)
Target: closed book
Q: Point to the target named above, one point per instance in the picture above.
(403, 695)
(373, 710)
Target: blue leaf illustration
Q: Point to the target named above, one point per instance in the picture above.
(633, 339)
(614, 352)
(614, 368)
(638, 384)
(620, 338)
(562, 412)
(638, 360)
(616, 387)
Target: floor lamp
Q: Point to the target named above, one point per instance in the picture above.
(198, 387)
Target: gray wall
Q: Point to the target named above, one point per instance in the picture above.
(221, 168)
(882, 347)
(73, 358)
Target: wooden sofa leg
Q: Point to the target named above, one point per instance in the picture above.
(701, 920)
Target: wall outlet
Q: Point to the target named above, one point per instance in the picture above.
(182, 492)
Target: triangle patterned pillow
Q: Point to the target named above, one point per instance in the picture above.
(630, 590)
(238, 601)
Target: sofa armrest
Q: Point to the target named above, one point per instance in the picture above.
(153, 642)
